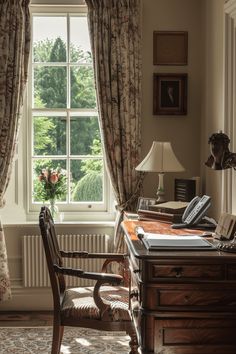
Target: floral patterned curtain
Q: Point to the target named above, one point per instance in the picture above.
(14, 54)
(114, 27)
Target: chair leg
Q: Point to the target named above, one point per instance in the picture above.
(56, 338)
(61, 335)
(133, 343)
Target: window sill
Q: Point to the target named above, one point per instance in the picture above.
(63, 223)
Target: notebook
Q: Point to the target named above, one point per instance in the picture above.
(172, 242)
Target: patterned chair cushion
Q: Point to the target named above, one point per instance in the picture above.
(79, 303)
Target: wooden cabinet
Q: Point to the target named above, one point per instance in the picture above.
(182, 302)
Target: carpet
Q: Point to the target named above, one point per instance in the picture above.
(37, 340)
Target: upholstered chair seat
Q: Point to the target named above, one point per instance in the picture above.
(78, 303)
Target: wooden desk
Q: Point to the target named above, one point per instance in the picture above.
(183, 302)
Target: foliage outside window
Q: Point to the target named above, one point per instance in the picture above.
(65, 127)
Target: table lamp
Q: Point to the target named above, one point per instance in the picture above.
(161, 159)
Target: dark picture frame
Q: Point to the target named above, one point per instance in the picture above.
(170, 94)
(170, 48)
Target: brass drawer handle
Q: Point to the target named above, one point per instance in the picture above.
(186, 299)
(178, 272)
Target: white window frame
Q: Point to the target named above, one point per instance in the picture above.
(77, 210)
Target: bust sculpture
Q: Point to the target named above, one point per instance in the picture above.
(221, 158)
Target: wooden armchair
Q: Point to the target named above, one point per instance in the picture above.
(104, 306)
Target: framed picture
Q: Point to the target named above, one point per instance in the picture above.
(144, 203)
(170, 48)
(170, 94)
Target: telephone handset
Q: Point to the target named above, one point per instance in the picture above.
(194, 212)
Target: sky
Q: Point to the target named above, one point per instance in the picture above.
(52, 27)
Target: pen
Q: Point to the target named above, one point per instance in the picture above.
(139, 231)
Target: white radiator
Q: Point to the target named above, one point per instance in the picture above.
(35, 272)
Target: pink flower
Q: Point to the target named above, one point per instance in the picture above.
(54, 178)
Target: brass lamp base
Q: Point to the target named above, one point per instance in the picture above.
(160, 189)
(160, 198)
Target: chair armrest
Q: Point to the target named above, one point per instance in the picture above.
(109, 257)
(113, 279)
(84, 254)
(76, 254)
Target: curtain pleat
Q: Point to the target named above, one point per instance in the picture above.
(115, 36)
(14, 55)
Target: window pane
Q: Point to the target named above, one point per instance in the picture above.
(49, 135)
(87, 180)
(82, 87)
(49, 38)
(80, 51)
(85, 136)
(65, 127)
(38, 166)
(50, 87)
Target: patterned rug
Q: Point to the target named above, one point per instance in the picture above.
(37, 340)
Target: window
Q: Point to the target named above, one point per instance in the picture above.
(63, 117)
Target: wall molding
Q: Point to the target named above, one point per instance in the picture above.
(28, 299)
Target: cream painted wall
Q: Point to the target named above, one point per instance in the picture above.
(182, 131)
(212, 95)
(203, 19)
(188, 134)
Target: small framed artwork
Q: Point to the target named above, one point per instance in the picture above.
(170, 94)
(145, 203)
(170, 48)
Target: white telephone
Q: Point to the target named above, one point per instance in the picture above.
(194, 212)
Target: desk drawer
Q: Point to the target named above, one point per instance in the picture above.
(231, 271)
(185, 336)
(194, 299)
(186, 271)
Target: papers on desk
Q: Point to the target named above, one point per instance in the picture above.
(157, 242)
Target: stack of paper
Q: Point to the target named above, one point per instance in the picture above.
(150, 215)
(175, 207)
(168, 242)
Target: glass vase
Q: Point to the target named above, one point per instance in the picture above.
(53, 209)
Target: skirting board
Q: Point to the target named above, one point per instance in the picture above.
(27, 299)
